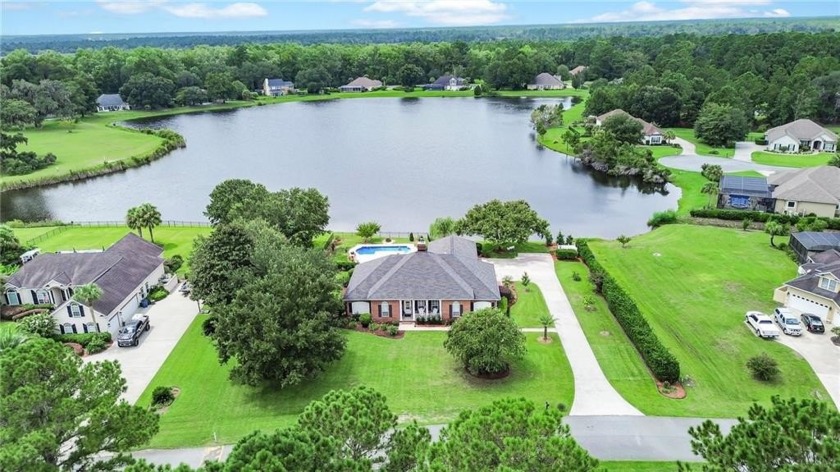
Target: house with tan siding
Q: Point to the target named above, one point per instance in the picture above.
(444, 278)
(816, 290)
(805, 191)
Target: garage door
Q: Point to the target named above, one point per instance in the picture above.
(807, 306)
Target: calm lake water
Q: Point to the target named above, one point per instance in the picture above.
(400, 162)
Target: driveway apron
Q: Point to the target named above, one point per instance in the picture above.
(593, 393)
(169, 319)
(822, 355)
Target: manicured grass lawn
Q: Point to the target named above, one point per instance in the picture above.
(553, 138)
(693, 284)
(420, 380)
(25, 234)
(690, 183)
(567, 92)
(662, 151)
(529, 305)
(634, 466)
(175, 240)
(527, 246)
(82, 145)
(616, 355)
(791, 160)
(703, 149)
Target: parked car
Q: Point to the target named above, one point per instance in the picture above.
(129, 335)
(813, 323)
(762, 325)
(788, 322)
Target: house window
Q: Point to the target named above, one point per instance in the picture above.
(12, 298)
(75, 311)
(456, 308)
(68, 328)
(43, 297)
(384, 310)
(407, 307)
(828, 284)
(791, 204)
(434, 307)
(90, 327)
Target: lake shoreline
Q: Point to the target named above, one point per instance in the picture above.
(167, 146)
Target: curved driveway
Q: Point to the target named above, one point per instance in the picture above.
(691, 161)
(593, 393)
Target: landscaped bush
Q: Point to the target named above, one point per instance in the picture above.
(157, 293)
(374, 327)
(208, 326)
(84, 338)
(393, 330)
(566, 254)
(576, 277)
(658, 358)
(661, 218)
(764, 367)
(365, 319)
(738, 215)
(345, 265)
(95, 345)
(761, 142)
(173, 264)
(40, 324)
(162, 395)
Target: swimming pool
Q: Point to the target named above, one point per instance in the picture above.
(367, 252)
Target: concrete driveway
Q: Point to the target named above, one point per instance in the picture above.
(742, 160)
(169, 319)
(593, 393)
(744, 150)
(823, 356)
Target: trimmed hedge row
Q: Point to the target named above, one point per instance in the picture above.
(84, 338)
(760, 216)
(566, 254)
(658, 358)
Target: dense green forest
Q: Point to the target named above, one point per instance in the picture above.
(70, 43)
(771, 77)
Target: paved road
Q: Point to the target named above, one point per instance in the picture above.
(822, 355)
(744, 150)
(169, 319)
(593, 393)
(742, 161)
(631, 438)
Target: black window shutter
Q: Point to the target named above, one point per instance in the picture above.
(74, 329)
(82, 310)
(61, 328)
(84, 328)
(34, 297)
(69, 311)
(472, 306)
(6, 296)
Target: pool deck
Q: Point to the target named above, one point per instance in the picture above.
(360, 258)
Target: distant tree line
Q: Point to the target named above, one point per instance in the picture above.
(666, 80)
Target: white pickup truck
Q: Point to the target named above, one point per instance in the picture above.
(788, 322)
(762, 325)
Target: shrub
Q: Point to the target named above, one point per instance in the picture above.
(566, 254)
(576, 277)
(503, 305)
(41, 324)
(411, 237)
(84, 338)
(374, 327)
(162, 395)
(393, 330)
(745, 225)
(173, 263)
(365, 319)
(661, 218)
(763, 367)
(157, 294)
(761, 142)
(421, 320)
(739, 215)
(95, 345)
(345, 265)
(658, 358)
(208, 327)
(352, 324)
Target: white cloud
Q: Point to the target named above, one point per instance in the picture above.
(365, 23)
(15, 6)
(446, 12)
(201, 10)
(693, 10)
(184, 10)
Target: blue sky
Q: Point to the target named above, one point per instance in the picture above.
(148, 16)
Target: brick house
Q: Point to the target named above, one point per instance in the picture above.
(444, 278)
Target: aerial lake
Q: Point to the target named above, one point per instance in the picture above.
(400, 162)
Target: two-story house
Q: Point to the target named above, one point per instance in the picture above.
(817, 290)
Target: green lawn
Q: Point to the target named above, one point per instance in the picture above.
(529, 305)
(527, 246)
(662, 151)
(616, 355)
(553, 137)
(175, 240)
(791, 160)
(703, 149)
(693, 284)
(690, 184)
(420, 380)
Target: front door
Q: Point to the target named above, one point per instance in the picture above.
(407, 311)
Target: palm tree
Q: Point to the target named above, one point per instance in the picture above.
(88, 295)
(11, 337)
(546, 320)
(132, 220)
(148, 217)
(711, 188)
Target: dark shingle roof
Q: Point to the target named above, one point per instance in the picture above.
(118, 271)
(449, 270)
(752, 186)
(547, 79)
(810, 282)
(817, 241)
(445, 79)
(279, 83)
(109, 100)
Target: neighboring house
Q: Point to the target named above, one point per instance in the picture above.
(804, 191)
(546, 81)
(125, 272)
(446, 82)
(809, 244)
(817, 291)
(578, 70)
(650, 133)
(744, 193)
(361, 84)
(791, 137)
(445, 278)
(276, 87)
(111, 102)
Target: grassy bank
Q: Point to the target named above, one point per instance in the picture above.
(791, 160)
(703, 149)
(420, 380)
(529, 305)
(694, 284)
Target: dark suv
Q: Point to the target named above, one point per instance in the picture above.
(813, 323)
(129, 334)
